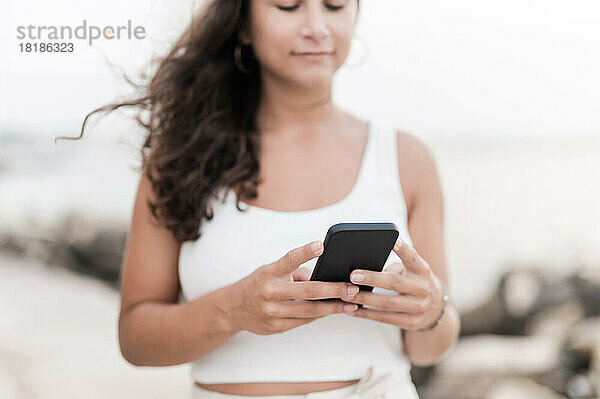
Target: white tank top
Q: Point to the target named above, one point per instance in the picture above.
(233, 244)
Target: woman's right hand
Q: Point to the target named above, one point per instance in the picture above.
(268, 297)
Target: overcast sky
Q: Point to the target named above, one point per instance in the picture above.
(435, 68)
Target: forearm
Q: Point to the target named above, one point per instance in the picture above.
(426, 348)
(166, 334)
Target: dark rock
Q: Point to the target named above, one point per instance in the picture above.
(503, 312)
(88, 246)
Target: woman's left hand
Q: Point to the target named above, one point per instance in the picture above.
(419, 299)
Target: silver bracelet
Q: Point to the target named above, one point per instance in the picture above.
(445, 299)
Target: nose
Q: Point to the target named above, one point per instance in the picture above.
(315, 25)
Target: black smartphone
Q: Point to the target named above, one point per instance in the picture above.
(350, 246)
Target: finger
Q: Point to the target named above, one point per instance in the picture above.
(289, 262)
(308, 309)
(395, 267)
(396, 303)
(401, 283)
(301, 274)
(410, 257)
(313, 290)
(402, 320)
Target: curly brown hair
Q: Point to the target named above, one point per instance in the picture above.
(199, 112)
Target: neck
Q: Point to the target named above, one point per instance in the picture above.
(292, 111)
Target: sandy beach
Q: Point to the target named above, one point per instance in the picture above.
(58, 339)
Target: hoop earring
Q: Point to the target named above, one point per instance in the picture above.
(237, 55)
(365, 52)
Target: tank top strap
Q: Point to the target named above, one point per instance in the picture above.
(385, 168)
(381, 170)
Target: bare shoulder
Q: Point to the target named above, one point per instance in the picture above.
(417, 167)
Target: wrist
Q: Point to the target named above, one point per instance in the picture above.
(226, 302)
(221, 304)
(445, 299)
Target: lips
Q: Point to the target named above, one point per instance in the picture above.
(314, 53)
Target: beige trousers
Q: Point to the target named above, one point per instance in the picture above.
(377, 383)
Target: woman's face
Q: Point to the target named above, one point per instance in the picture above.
(281, 32)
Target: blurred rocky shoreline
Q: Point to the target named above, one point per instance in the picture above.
(79, 243)
(536, 336)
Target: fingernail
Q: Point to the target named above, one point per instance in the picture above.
(399, 243)
(358, 277)
(316, 246)
(352, 290)
(350, 308)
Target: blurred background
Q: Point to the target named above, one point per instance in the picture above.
(505, 93)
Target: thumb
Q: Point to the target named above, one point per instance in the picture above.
(289, 262)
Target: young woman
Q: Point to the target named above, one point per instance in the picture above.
(246, 165)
